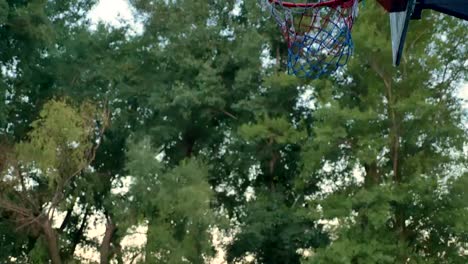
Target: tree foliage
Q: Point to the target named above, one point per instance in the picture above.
(191, 129)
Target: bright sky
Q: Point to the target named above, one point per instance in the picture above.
(463, 93)
(113, 12)
(110, 10)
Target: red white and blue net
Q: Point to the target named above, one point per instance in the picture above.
(317, 32)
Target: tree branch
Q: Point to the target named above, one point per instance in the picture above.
(58, 194)
(79, 233)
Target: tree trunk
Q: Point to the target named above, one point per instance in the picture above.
(105, 249)
(118, 253)
(66, 219)
(52, 241)
(395, 133)
(372, 175)
(189, 143)
(79, 233)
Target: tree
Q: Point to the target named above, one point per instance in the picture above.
(37, 174)
(204, 97)
(175, 202)
(58, 56)
(199, 117)
(402, 128)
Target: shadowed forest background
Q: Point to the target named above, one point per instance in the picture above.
(191, 129)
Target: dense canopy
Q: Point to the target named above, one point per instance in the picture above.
(187, 142)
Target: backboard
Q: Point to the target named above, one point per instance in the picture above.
(399, 22)
(402, 11)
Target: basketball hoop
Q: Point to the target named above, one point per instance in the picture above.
(317, 32)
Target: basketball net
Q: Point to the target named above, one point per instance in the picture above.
(318, 33)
